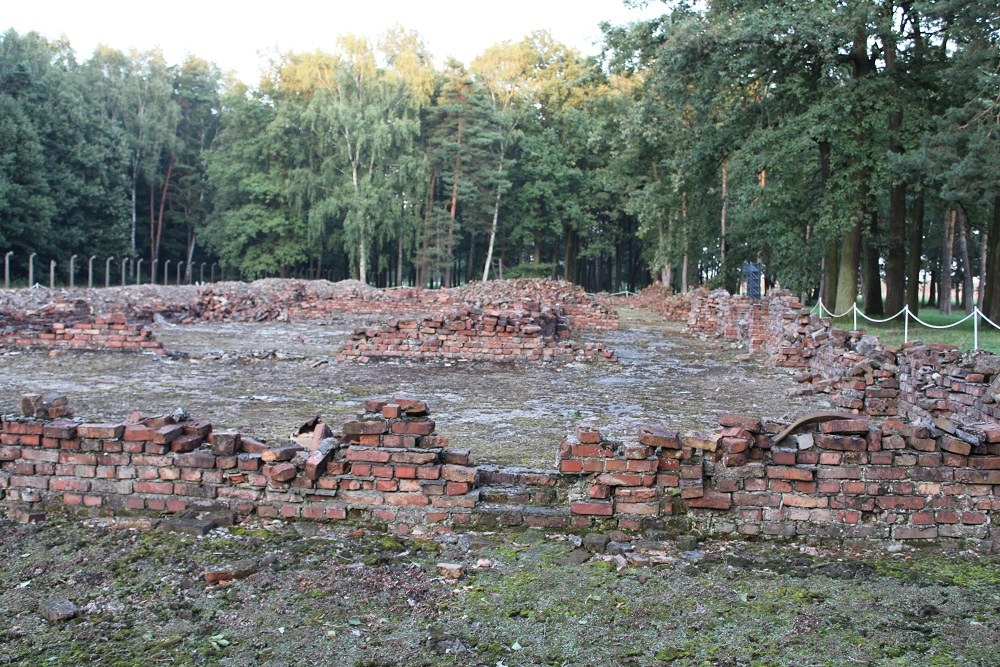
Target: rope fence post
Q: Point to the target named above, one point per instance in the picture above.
(906, 323)
(854, 307)
(975, 328)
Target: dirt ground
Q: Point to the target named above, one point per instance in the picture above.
(341, 595)
(267, 378)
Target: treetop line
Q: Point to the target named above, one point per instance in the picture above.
(847, 149)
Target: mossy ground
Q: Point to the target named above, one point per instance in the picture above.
(347, 595)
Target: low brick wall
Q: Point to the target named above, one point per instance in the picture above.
(831, 476)
(861, 375)
(844, 478)
(388, 465)
(74, 326)
(117, 318)
(473, 334)
(662, 300)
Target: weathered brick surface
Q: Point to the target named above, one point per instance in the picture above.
(845, 483)
(501, 320)
(474, 334)
(73, 325)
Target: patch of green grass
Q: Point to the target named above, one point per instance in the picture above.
(961, 336)
(940, 569)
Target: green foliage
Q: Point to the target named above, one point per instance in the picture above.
(715, 134)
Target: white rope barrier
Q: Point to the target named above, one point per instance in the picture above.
(907, 314)
(941, 326)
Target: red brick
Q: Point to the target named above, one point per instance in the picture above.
(588, 436)
(225, 443)
(901, 502)
(659, 437)
(453, 473)
(162, 488)
(101, 431)
(407, 499)
(407, 427)
(739, 421)
(369, 455)
(366, 427)
(793, 500)
(711, 500)
(60, 429)
(570, 466)
(200, 459)
(785, 472)
(592, 508)
(954, 446)
(280, 472)
(845, 426)
(973, 518)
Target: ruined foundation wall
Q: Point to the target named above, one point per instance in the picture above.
(841, 478)
(118, 318)
(917, 381)
(472, 334)
(74, 326)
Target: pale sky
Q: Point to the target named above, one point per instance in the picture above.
(240, 35)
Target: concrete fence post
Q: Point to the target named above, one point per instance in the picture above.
(52, 274)
(152, 272)
(124, 262)
(201, 273)
(180, 265)
(213, 272)
(90, 272)
(138, 272)
(166, 272)
(31, 269)
(6, 270)
(72, 268)
(107, 271)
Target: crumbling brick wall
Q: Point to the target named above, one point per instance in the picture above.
(532, 333)
(73, 326)
(845, 478)
(861, 375)
(835, 476)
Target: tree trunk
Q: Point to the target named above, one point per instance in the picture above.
(983, 253)
(163, 204)
(493, 227)
(134, 217)
(850, 254)
(873, 276)
(991, 297)
(725, 208)
(847, 270)
(962, 232)
(947, 249)
(831, 258)
(916, 249)
(684, 231)
(399, 260)
(895, 251)
(189, 271)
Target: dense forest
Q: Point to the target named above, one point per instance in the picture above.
(848, 147)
